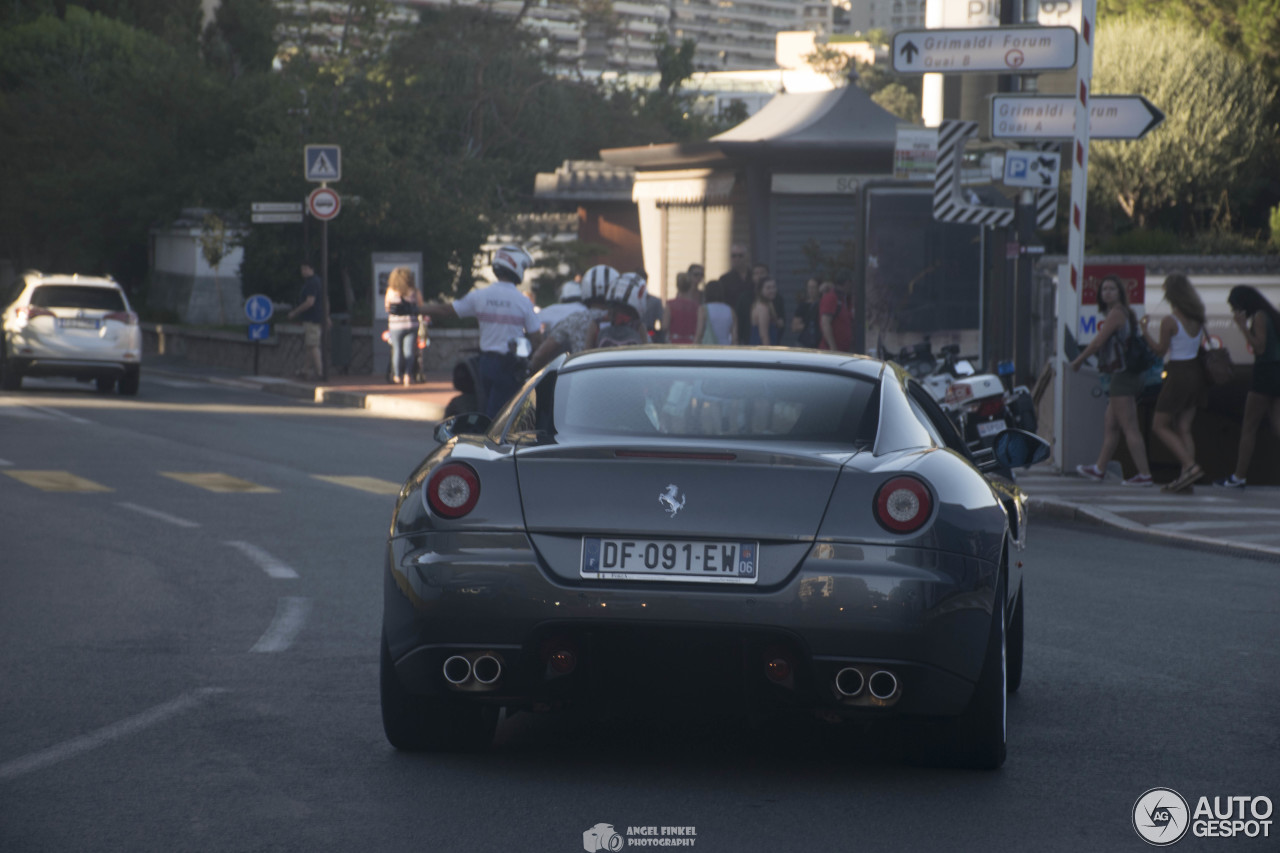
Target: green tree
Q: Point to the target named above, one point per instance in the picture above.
(115, 131)
(241, 38)
(901, 101)
(1212, 138)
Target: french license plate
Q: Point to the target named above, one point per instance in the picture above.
(670, 560)
(78, 323)
(991, 428)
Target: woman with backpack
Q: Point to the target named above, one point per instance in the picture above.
(1111, 344)
(1184, 389)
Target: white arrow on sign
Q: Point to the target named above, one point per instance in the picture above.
(277, 207)
(276, 217)
(985, 50)
(1054, 116)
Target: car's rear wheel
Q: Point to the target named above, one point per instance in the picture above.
(1013, 646)
(431, 723)
(105, 384)
(10, 374)
(978, 735)
(130, 381)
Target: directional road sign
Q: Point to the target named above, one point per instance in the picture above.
(276, 218)
(259, 331)
(258, 308)
(277, 207)
(1035, 169)
(1054, 116)
(323, 162)
(986, 50)
(324, 203)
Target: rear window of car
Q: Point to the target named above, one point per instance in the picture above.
(78, 296)
(715, 401)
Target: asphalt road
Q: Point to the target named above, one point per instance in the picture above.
(187, 669)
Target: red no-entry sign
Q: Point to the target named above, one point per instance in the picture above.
(324, 203)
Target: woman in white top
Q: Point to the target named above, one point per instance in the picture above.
(403, 328)
(1178, 342)
(717, 316)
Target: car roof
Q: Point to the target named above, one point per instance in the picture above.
(860, 365)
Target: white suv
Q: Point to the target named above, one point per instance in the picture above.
(71, 325)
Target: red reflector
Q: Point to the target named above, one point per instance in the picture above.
(778, 669)
(903, 505)
(990, 408)
(453, 490)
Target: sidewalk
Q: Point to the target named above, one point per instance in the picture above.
(425, 402)
(1242, 521)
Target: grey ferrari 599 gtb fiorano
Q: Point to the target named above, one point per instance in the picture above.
(766, 528)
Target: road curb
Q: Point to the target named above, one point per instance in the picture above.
(1066, 511)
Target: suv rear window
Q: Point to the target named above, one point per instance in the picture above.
(78, 296)
(715, 402)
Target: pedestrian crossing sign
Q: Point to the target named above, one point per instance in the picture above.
(323, 162)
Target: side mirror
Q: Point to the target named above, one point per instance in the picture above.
(1017, 448)
(471, 423)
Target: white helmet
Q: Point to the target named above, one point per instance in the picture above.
(510, 263)
(631, 290)
(570, 291)
(597, 282)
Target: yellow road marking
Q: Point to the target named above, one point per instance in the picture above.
(57, 481)
(215, 482)
(364, 484)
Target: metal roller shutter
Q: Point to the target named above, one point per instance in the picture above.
(831, 220)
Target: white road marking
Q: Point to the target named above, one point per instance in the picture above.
(57, 414)
(163, 516)
(131, 725)
(265, 561)
(291, 612)
(1194, 508)
(1204, 525)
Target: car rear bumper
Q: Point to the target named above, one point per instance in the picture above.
(74, 368)
(923, 616)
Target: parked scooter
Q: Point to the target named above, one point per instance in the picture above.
(985, 407)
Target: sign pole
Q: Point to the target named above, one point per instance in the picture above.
(324, 297)
(1079, 203)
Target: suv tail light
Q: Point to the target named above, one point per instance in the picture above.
(127, 317)
(453, 490)
(903, 505)
(30, 312)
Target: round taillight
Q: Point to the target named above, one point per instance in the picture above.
(903, 504)
(452, 490)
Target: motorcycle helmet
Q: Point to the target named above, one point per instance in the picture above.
(597, 282)
(510, 263)
(630, 289)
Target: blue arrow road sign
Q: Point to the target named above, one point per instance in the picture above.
(323, 162)
(258, 308)
(259, 331)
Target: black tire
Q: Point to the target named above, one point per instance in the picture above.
(10, 375)
(978, 735)
(130, 381)
(1013, 647)
(431, 723)
(105, 384)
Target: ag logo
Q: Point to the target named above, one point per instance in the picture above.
(1160, 817)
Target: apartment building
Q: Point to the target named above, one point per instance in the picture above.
(859, 16)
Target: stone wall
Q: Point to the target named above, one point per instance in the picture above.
(282, 353)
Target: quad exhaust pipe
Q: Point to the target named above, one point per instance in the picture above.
(477, 672)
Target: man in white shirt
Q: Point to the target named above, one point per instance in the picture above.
(503, 313)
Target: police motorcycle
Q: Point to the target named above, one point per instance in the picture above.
(983, 405)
